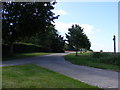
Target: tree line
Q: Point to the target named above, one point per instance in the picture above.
(32, 22)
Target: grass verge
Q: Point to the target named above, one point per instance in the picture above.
(24, 55)
(33, 76)
(88, 60)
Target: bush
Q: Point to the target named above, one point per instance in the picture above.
(23, 48)
(108, 58)
(20, 48)
(101, 51)
(114, 60)
(97, 54)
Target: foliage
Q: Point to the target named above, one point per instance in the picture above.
(24, 55)
(97, 55)
(20, 48)
(21, 20)
(33, 76)
(107, 58)
(101, 50)
(50, 40)
(77, 38)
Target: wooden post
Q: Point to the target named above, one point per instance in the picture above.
(114, 39)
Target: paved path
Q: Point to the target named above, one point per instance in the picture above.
(56, 62)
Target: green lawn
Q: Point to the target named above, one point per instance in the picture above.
(105, 61)
(24, 55)
(33, 76)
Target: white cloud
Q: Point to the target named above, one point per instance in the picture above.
(63, 28)
(88, 29)
(98, 30)
(60, 12)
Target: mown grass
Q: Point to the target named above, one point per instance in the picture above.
(33, 76)
(24, 55)
(98, 60)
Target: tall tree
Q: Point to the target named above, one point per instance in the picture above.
(21, 20)
(57, 42)
(50, 41)
(77, 38)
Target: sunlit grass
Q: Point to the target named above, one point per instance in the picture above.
(33, 76)
(105, 61)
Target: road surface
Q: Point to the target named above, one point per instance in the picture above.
(55, 62)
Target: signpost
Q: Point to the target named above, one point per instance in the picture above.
(114, 39)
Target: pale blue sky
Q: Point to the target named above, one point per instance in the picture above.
(100, 20)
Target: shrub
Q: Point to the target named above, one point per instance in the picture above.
(20, 48)
(97, 54)
(101, 51)
(108, 58)
(23, 48)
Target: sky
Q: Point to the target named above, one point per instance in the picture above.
(99, 20)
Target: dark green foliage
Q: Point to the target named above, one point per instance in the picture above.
(50, 40)
(97, 55)
(107, 58)
(21, 20)
(101, 50)
(57, 42)
(20, 48)
(77, 39)
(24, 19)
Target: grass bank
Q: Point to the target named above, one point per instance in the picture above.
(97, 59)
(33, 76)
(24, 55)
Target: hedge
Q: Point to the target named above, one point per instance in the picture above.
(20, 48)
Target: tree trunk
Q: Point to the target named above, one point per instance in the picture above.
(80, 51)
(76, 52)
(11, 49)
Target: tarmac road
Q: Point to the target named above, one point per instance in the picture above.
(55, 62)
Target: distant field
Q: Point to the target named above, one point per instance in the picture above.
(33, 76)
(104, 60)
